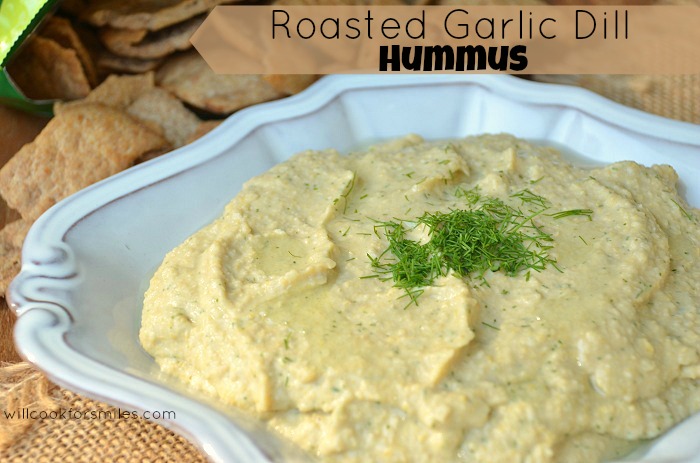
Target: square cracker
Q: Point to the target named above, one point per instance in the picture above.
(336, 2)
(62, 32)
(11, 240)
(156, 107)
(117, 91)
(202, 129)
(83, 144)
(108, 62)
(145, 14)
(142, 44)
(191, 79)
(44, 70)
(159, 107)
(290, 84)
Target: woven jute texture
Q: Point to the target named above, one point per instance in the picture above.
(118, 440)
(77, 429)
(675, 97)
(139, 440)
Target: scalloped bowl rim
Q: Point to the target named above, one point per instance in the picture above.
(43, 323)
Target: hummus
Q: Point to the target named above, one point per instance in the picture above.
(272, 309)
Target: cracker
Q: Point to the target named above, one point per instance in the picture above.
(81, 145)
(146, 14)
(119, 39)
(290, 84)
(159, 110)
(88, 36)
(18, 128)
(158, 106)
(605, 2)
(190, 78)
(61, 30)
(7, 214)
(117, 91)
(74, 7)
(44, 70)
(336, 2)
(11, 239)
(202, 129)
(109, 62)
(492, 2)
(140, 43)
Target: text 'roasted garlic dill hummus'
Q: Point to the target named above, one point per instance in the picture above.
(479, 300)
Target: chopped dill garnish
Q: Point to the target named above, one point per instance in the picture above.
(528, 197)
(490, 235)
(683, 211)
(491, 326)
(562, 214)
(470, 196)
(345, 195)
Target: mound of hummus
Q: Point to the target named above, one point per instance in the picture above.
(275, 308)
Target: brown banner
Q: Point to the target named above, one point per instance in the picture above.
(485, 39)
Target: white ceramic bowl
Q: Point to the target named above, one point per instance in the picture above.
(87, 261)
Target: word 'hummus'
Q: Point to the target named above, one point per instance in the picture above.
(301, 306)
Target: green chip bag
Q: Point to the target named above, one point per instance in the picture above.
(18, 19)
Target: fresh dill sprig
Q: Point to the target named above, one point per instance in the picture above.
(471, 196)
(683, 211)
(528, 197)
(569, 213)
(490, 235)
(491, 326)
(345, 195)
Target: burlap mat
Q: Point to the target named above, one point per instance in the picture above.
(77, 439)
(138, 440)
(675, 97)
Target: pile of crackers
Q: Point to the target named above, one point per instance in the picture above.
(87, 41)
(128, 87)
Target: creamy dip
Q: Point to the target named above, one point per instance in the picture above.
(266, 309)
